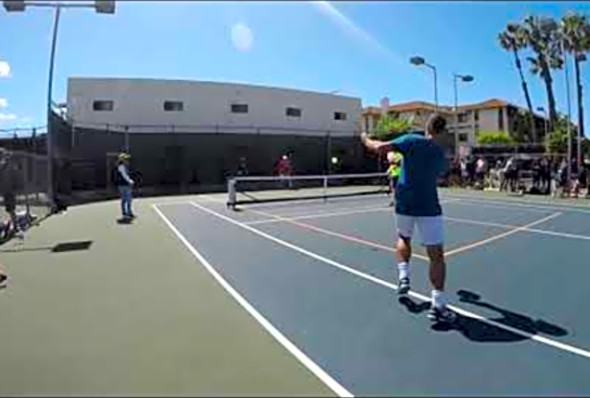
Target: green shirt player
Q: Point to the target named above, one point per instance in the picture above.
(394, 171)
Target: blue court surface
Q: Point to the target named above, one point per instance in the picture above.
(321, 278)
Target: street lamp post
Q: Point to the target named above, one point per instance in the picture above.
(466, 79)
(418, 61)
(101, 7)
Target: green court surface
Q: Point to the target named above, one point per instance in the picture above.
(97, 308)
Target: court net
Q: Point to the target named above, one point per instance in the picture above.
(248, 190)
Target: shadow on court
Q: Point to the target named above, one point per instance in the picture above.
(58, 248)
(478, 331)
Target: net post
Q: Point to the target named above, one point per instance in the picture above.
(231, 192)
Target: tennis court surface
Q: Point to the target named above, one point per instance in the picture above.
(318, 279)
(321, 274)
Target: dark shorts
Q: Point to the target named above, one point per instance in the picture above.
(394, 181)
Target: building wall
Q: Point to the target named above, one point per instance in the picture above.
(206, 104)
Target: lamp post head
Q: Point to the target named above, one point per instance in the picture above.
(104, 6)
(14, 5)
(417, 61)
(467, 78)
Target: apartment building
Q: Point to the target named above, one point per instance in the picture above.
(465, 124)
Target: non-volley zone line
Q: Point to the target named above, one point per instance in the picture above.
(368, 277)
(265, 323)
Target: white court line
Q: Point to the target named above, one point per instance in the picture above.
(509, 226)
(452, 219)
(371, 278)
(500, 236)
(468, 202)
(269, 327)
(343, 212)
(525, 204)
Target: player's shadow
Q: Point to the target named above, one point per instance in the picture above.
(476, 330)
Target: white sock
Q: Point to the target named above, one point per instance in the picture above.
(404, 270)
(438, 299)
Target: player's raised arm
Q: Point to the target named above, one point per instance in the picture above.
(374, 145)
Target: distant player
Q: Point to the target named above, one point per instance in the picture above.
(417, 203)
(393, 172)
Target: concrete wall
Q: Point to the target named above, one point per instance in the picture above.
(206, 104)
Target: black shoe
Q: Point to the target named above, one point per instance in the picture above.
(3, 281)
(441, 314)
(404, 286)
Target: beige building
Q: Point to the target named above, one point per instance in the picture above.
(491, 115)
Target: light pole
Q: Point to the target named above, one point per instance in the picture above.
(465, 79)
(418, 61)
(101, 7)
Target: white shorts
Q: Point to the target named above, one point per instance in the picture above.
(430, 228)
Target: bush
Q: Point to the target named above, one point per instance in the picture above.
(388, 128)
(494, 138)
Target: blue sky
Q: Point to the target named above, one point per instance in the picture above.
(359, 48)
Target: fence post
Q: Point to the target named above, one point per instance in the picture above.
(325, 188)
(26, 184)
(127, 148)
(231, 190)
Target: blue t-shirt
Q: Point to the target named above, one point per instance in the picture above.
(416, 193)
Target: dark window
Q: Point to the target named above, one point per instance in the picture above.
(463, 117)
(476, 115)
(103, 105)
(463, 137)
(239, 108)
(339, 116)
(367, 124)
(293, 112)
(173, 106)
(500, 119)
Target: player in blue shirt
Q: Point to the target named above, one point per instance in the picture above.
(417, 204)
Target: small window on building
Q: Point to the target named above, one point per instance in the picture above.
(173, 106)
(339, 116)
(103, 105)
(463, 117)
(476, 115)
(239, 108)
(463, 137)
(500, 119)
(293, 112)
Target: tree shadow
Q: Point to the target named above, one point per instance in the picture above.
(476, 330)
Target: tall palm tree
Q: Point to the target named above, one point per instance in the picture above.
(513, 39)
(576, 34)
(543, 37)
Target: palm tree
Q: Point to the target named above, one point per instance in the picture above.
(575, 29)
(543, 37)
(513, 39)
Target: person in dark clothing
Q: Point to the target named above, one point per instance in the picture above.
(8, 186)
(545, 172)
(242, 168)
(125, 184)
(471, 168)
(536, 169)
